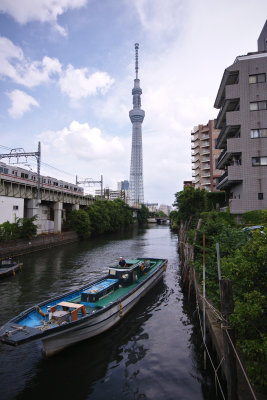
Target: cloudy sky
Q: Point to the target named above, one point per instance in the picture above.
(67, 70)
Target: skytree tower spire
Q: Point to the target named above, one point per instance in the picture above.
(137, 116)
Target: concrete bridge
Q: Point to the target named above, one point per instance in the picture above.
(158, 220)
(18, 199)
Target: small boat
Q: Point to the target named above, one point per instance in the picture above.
(9, 267)
(85, 312)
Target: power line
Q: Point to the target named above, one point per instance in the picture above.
(43, 163)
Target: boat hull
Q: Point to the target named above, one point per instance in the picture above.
(4, 272)
(111, 302)
(100, 323)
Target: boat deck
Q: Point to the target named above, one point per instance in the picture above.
(36, 317)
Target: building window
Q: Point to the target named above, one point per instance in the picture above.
(258, 105)
(256, 161)
(258, 133)
(260, 196)
(258, 78)
(15, 207)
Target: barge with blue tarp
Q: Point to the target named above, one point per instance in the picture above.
(87, 311)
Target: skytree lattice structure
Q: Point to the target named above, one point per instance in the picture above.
(137, 116)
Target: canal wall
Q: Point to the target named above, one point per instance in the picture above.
(24, 246)
(190, 281)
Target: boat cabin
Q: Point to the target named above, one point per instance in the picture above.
(130, 273)
(65, 312)
(6, 263)
(99, 290)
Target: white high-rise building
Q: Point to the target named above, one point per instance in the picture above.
(137, 116)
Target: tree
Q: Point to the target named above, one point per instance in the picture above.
(190, 203)
(142, 215)
(79, 221)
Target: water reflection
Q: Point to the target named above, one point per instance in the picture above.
(78, 370)
(151, 354)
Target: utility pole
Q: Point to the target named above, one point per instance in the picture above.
(90, 182)
(20, 152)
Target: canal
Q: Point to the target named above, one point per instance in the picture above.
(153, 353)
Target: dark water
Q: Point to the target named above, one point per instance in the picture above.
(153, 353)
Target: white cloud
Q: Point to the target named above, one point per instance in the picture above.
(85, 151)
(40, 10)
(78, 83)
(160, 17)
(82, 141)
(14, 65)
(21, 102)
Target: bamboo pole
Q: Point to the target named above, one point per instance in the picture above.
(204, 301)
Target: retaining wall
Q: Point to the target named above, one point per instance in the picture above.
(23, 246)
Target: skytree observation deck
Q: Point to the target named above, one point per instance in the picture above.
(137, 116)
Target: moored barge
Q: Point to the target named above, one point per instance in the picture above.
(85, 312)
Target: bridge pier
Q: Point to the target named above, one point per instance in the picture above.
(58, 216)
(32, 207)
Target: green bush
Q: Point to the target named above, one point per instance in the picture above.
(244, 262)
(79, 221)
(22, 228)
(258, 217)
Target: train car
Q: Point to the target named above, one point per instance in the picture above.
(20, 175)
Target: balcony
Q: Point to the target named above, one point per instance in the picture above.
(195, 173)
(231, 177)
(195, 152)
(195, 166)
(194, 159)
(228, 106)
(205, 144)
(194, 145)
(205, 167)
(233, 149)
(194, 137)
(205, 152)
(205, 159)
(230, 78)
(227, 131)
(204, 137)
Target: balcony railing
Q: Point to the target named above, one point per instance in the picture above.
(194, 145)
(204, 137)
(205, 159)
(220, 157)
(224, 175)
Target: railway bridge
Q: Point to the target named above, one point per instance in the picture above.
(19, 199)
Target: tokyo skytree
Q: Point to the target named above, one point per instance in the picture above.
(137, 116)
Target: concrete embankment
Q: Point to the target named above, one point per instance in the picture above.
(24, 246)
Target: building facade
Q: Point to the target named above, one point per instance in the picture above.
(204, 155)
(136, 116)
(111, 194)
(242, 119)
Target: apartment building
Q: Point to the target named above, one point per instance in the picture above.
(242, 120)
(204, 155)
